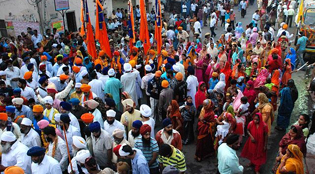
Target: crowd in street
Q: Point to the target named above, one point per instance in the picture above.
(64, 111)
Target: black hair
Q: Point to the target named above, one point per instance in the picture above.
(307, 119)
(49, 131)
(31, 100)
(128, 149)
(294, 129)
(91, 162)
(22, 81)
(233, 82)
(93, 75)
(176, 57)
(244, 99)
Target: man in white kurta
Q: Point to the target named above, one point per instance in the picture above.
(192, 84)
(91, 106)
(111, 123)
(97, 86)
(13, 75)
(128, 80)
(29, 137)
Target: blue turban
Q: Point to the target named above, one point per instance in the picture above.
(36, 151)
(191, 70)
(74, 101)
(30, 66)
(10, 109)
(166, 122)
(26, 58)
(17, 91)
(171, 60)
(66, 106)
(110, 102)
(95, 127)
(65, 118)
(105, 71)
(47, 55)
(137, 124)
(168, 66)
(98, 67)
(42, 79)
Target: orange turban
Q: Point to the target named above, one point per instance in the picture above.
(76, 69)
(101, 53)
(164, 53)
(179, 76)
(215, 74)
(38, 108)
(164, 84)
(13, 170)
(285, 26)
(116, 53)
(132, 63)
(274, 51)
(135, 49)
(78, 60)
(28, 75)
(158, 74)
(228, 20)
(63, 77)
(180, 28)
(85, 88)
(87, 118)
(4, 116)
(43, 57)
(97, 61)
(152, 52)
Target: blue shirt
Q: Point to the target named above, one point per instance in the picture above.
(55, 70)
(36, 127)
(148, 151)
(26, 111)
(302, 42)
(228, 161)
(139, 163)
(112, 86)
(212, 83)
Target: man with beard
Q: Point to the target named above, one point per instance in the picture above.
(169, 155)
(26, 91)
(29, 80)
(77, 110)
(7, 91)
(96, 85)
(42, 163)
(80, 153)
(228, 161)
(129, 80)
(149, 148)
(130, 115)
(68, 129)
(50, 112)
(10, 110)
(62, 69)
(17, 94)
(113, 86)
(110, 104)
(91, 106)
(119, 139)
(43, 72)
(111, 123)
(78, 92)
(65, 108)
(102, 145)
(134, 53)
(60, 83)
(154, 89)
(134, 133)
(145, 111)
(38, 116)
(43, 83)
(8, 126)
(180, 90)
(57, 65)
(165, 99)
(57, 147)
(13, 74)
(168, 135)
(29, 136)
(14, 153)
(87, 93)
(21, 109)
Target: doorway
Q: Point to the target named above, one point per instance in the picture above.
(71, 21)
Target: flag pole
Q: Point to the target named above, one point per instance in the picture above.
(64, 132)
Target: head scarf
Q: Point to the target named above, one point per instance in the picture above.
(261, 79)
(276, 77)
(230, 110)
(296, 160)
(298, 140)
(200, 95)
(220, 86)
(237, 101)
(292, 57)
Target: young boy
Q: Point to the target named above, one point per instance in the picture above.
(213, 80)
(268, 84)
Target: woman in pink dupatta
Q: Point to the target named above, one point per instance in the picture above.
(237, 101)
(200, 64)
(261, 79)
(213, 66)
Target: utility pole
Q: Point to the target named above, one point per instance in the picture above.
(36, 3)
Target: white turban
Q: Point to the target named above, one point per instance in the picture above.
(57, 117)
(83, 73)
(118, 133)
(49, 100)
(8, 136)
(18, 101)
(79, 142)
(82, 155)
(111, 72)
(26, 122)
(110, 113)
(145, 110)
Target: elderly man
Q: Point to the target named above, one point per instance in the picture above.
(68, 130)
(91, 106)
(134, 133)
(102, 145)
(87, 93)
(169, 155)
(80, 153)
(14, 153)
(42, 163)
(168, 135)
(149, 148)
(29, 136)
(119, 139)
(111, 123)
(57, 147)
(130, 115)
(21, 109)
(50, 112)
(128, 80)
(38, 116)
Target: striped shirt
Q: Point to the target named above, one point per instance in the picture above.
(177, 159)
(148, 151)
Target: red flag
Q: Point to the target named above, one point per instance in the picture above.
(90, 42)
(101, 30)
(144, 32)
(158, 29)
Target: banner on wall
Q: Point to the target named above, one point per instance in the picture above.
(21, 26)
(58, 25)
(61, 5)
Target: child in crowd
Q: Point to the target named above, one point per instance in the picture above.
(213, 80)
(240, 83)
(268, 84)
(241, 114)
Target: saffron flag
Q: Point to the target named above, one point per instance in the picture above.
(82, 31)
(158, 30)
(101, 30)
(144, 32)
(131, 29)
(90, 42)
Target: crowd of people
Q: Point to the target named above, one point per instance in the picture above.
(63, 111)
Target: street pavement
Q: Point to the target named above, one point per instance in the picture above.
(209, 166)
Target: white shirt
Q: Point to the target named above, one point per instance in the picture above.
(61, 154)
(181, 68)
(109, 128)
(72, 131)
(42, 91)
(151, 123)
(60, 71)
(255, 17)
(192, 84)
(193, 7)
(197, 27)
(213, 22)
(184, 7)
(28, 93)
(74, 121)
(100, 147)
(97, 88)
(98, 117)
(17, 156)
(48, 166)
(144, 82)
(15, 73)
(170, 34)
(31, 139)
(37, 39)
(128, 81)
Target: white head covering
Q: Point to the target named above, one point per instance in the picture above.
(148, 68)
(82, 155)
(26, 122)
(57, 117)
(8, 136)
(18, 101)
(176, 68)
(2, 73)
(118, 133)
(123, 153)
(111, 72)
(145, 110)
(83, 73)
(78, 85)
(79, 142)
(127, 67)
(49, 100)
(110, 113)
